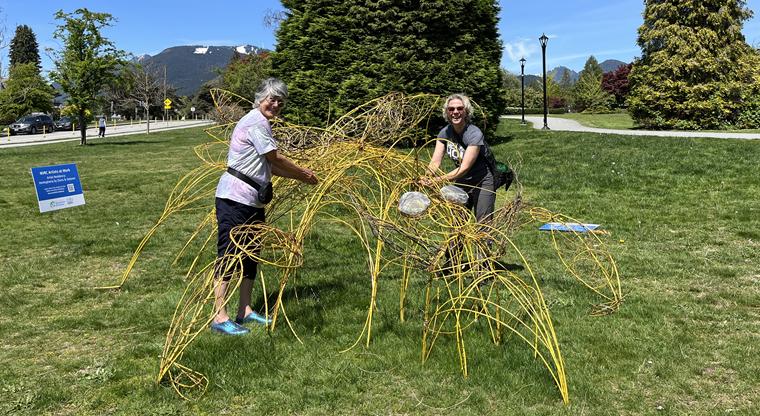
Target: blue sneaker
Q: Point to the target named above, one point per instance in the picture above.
(229, 328)
(254, 317)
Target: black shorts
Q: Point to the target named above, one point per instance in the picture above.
(230, 214)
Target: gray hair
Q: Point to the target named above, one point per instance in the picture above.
(270, 87)
(465, 101)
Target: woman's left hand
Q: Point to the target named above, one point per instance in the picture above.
(430, 180)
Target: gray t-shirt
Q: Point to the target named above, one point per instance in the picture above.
(456, 146)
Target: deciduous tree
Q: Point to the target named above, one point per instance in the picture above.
(244, 73)
(140, 86)
(616, 83)
(88, 60)
(512, 89)
(25, 91)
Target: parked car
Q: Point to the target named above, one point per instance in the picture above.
(32, 124)
(64, 123)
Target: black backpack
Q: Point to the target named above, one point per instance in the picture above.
(502, 174)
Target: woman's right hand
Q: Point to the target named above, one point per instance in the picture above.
(310, 177)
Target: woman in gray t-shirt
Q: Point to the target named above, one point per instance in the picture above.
(463, 142)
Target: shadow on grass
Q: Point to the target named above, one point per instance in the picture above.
(512, 267)
(126, 143)
(501, 138)
(319, 299)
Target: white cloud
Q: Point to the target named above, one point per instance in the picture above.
(521, 48)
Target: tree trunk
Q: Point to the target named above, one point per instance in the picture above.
(82, 128)
(147, 120)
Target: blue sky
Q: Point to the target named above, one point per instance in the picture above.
(577, 28)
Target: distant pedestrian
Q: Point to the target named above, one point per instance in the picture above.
(102, 126)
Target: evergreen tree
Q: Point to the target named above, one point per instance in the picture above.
(88, 61)
(566, 85)
(335, 55)
(749, 112)
(24, 48)
(687, 76)
(591, 69)
(588, 95)
(25, 92)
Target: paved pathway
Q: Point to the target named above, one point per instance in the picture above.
(564, 124)
(92, 133)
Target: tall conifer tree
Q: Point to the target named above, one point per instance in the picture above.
(588, 94)
(335, 55)
(24, 48)
(693, 64)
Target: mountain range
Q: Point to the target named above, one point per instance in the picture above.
(608, 65)
(557, 73)
(188, 67)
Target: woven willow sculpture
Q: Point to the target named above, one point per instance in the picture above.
(363, 171)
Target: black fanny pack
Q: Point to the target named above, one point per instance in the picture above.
(265, 193)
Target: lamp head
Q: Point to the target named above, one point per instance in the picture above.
(543, 39)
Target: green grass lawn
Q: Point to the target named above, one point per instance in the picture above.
(685, 229)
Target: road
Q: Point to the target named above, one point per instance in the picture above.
(92, 133)
(564, 124)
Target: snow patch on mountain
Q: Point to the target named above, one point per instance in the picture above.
(201, 51)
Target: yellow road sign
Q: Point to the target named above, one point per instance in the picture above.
(167, 102)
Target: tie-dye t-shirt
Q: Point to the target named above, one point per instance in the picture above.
(251, 140)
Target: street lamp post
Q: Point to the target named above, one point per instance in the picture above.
(543, 39)
(522, 88)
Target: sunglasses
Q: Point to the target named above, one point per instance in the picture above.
(452, 109)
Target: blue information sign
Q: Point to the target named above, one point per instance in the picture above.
(57, 187)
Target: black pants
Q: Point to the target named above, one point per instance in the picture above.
(101, 132)
(230, 214)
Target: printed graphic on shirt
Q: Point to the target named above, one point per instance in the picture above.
(455, 152)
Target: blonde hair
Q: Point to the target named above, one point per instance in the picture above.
(465, 102)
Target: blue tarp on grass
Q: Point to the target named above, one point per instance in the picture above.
(568, 226)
